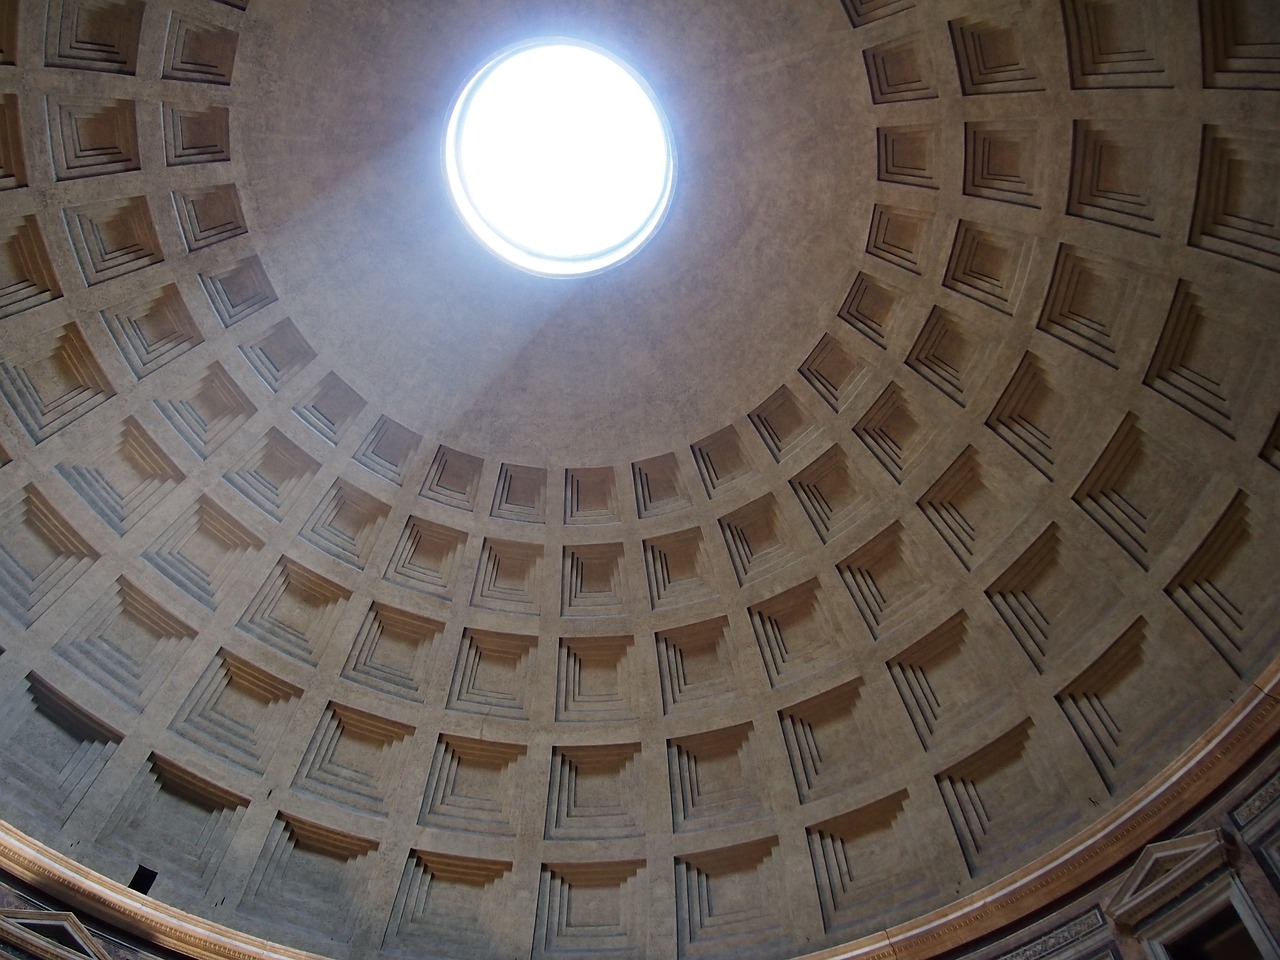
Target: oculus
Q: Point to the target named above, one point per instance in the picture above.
(558, 158)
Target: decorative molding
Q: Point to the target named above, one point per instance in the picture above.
(1164, 872)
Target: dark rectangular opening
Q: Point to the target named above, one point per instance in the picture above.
(142, 880)
(1222, 936)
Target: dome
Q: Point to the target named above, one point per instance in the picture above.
(876, 559)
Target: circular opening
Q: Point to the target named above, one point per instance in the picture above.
(558, 158)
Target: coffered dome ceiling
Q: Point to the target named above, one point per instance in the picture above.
(854, 556)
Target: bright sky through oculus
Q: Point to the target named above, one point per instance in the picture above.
(558, 158)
